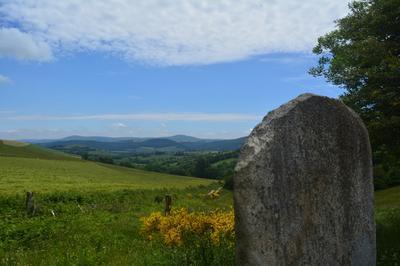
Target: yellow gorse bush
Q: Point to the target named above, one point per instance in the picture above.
(174, 227)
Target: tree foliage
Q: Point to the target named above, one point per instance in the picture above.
(362, 55)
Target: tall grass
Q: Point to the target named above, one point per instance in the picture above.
(388, 236)
(99, 228)
(93, 228)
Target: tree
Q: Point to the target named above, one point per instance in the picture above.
(200, 169)
(85, 156)
(362, 55)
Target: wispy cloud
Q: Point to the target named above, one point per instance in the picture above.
(143, 117)
(23, 46)
(5, 80)
(119, 125)
(289, 59)
(178, 32)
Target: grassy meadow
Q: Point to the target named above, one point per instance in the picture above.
(24, 150)
(32, 168)
(94, 228)
(89, 213)
(387, 216)
(42, 175)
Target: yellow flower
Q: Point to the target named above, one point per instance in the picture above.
(172, 228)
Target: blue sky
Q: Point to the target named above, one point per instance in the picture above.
(59, 79)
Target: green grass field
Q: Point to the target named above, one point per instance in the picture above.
(388, 198)
(32, 168)
(25, 150)
(97, 210)
(42, 175)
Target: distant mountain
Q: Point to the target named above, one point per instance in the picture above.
(126, 146)
(184, 138)
(102, 139)
(158, 143)
(37, 141)
(78, 144)
(177, 138)
(83, 138)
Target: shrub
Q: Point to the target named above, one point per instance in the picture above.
(195, 238)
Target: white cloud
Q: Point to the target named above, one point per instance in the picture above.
(176, 32)
(23, 46)
(142, 117)
(119, 125)
(5, 80)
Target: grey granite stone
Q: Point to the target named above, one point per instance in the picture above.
(303, 189)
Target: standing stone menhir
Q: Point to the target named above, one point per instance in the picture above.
(303, 188)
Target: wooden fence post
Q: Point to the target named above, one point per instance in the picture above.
(168, 203)
(30, 203)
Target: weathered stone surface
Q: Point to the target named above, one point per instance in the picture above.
(303, 188)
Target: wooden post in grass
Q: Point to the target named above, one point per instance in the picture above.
(30, 203)
(168, 204)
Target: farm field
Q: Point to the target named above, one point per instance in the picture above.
(90, 213)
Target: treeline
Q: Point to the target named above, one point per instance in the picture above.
(362, 56)
(213, 165)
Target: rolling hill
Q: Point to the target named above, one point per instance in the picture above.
(179, 143)
(177, 138)
(29, 167)
(26, 150)
(90, 213)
